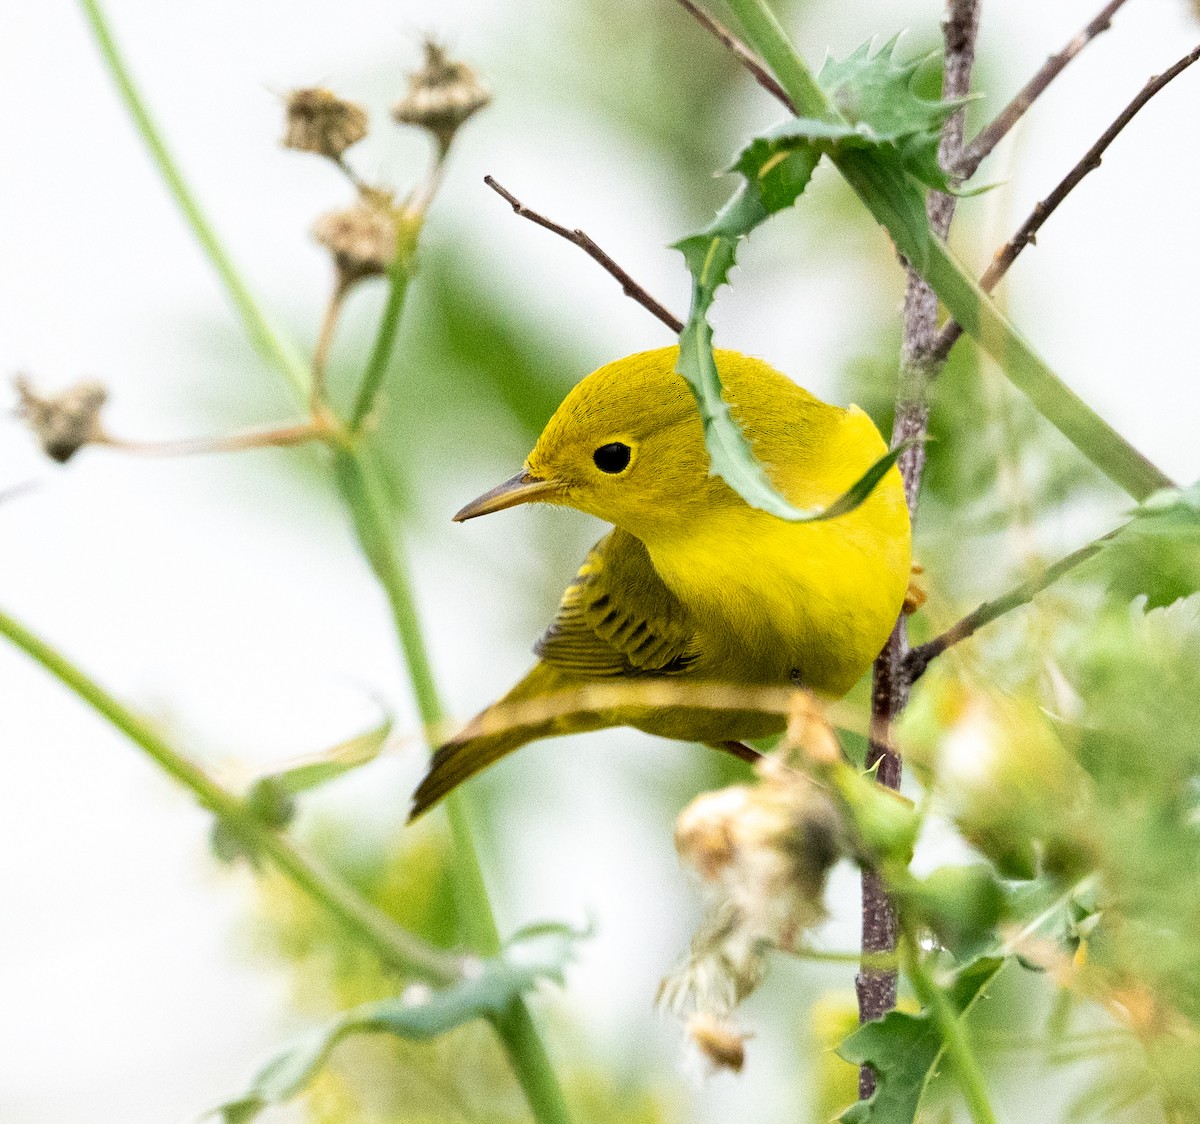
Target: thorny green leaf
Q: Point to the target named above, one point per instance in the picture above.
(486, 990)
(962, 905)
(1063, 916)
(1158, 552)
(896, 131)
(877, 96)
(904, 1050)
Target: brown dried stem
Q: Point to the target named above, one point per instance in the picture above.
(877, 988)
(991, 135)
(578, 238)
(276, 437)
(1027, 234)
(318, 402)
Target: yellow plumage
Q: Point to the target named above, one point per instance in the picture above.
(693, 585)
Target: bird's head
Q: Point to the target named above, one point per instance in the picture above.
(626, 445)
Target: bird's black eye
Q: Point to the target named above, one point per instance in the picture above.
(612, 458)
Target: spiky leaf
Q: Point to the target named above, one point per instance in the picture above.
(877, 95)
(486, 991)
(1158, 553)
(892, 133)
(904, 1050)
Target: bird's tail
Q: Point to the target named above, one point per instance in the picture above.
(504, 727)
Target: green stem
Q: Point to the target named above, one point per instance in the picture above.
(880, 962)
(954, 1035)
(965, 301)
(525, 1051)
(765, 33)
(381, 352)
(968, 304)
(393, 944)
(383, 549)
(266, 337)
(535, 1072)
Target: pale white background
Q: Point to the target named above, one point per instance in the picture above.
(222, 596)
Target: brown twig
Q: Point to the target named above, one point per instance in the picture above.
(578, 238)
(1027, 234)
(276, 437)
(317, 402)
(991, 135)
(355, 179)
(919, 658)
(876, 988)
(744, 55)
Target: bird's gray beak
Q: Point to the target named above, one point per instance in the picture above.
(522, 488)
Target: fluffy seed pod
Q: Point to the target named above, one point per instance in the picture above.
(764, 853)
(361, 239)
(441, 96)
(63, 423)
(321, 122)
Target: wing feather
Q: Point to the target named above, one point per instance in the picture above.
(619, 618)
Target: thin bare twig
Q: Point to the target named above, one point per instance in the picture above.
(876, 988)
(355, 179)
(744, 55)
(991, 135)
(276, 437)
(317, 401)
(578, 238)
(1027, 235)
(917, 660)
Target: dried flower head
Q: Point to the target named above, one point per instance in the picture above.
(764, 852)
(63, 423)
(361, 239)
(703, 832)
(718, 1040)
(441, 96)
(321, 122)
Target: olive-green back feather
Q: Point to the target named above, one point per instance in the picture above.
(618, 618)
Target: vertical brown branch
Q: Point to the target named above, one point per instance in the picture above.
(876, 986)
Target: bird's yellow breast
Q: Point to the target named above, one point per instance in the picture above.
(775, 599)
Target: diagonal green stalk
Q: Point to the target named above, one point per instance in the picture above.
(963, 298)
(393, 944)
(954, 1035)
(265, 335)
(385, 553)
(381, 545)
(381, 352)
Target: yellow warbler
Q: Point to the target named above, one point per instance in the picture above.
(693, 585)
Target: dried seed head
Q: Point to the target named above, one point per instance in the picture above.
(704, 830)
(321, 122)
(361, 239)
(764, 852)
(441, 96)
(721, 1043)
(63, 423)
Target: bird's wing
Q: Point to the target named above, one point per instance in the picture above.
(619, 618)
